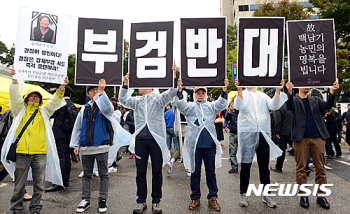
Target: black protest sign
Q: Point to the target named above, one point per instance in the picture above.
(203, 51)
(260, 51)
(100, 51)
(312, 53)
(151, 55)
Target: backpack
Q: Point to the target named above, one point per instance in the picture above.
(69, 118)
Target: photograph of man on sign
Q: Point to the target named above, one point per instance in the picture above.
(43, 29)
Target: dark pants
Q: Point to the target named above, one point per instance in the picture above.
(63, 151)
(283, 141)
(333, 138)
(263, 156)
(88, 162)
(23, 164)
(143, 149)
(208, 156)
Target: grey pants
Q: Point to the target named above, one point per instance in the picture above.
(88, 166)
(38, 165)
(233, 140)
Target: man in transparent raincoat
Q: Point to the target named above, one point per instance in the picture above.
(201, 142)
(254, 135)
(149, 139)
(36, 153)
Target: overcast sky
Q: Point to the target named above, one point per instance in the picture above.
(131, 11)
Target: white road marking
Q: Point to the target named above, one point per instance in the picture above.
(3, 184)
(343, 162)
(225, 158)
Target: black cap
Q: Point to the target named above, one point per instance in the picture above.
(89, 87)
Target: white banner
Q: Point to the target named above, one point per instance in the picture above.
(42, 46)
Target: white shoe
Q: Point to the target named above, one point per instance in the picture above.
(81, 174)
(170, 167)
(84, 204)
(189, 174)
(95, 172)
(112, 169)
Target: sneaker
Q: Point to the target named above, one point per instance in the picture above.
(323, 203)
(194, 204)
(112, 169)
(95, 172)
(311, 165)
(81, 174)
(244, 200)
(170, 167)
(213, 204)
(268, 200)
(102, 207)
(188, 174)
(156, 208)
(233, 171)
(84, 204)
(140, 207)
(131, 156)
(274, 168)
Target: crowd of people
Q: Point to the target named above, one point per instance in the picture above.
(148, 126)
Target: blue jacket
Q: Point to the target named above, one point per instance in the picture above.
(94, 122)
(169, 118)
(232, 121)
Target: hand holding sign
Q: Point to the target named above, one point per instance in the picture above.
(278, 89)
(66, 81)
(101, 86)
(126, 79)
(290, 86)
(179, 85)
(226, 84)
(335, 87)
(13, 73)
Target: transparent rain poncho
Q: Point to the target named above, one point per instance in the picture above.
(53, 170)
(205, 112)
(149, 110)
(254, 118)
(121, 136)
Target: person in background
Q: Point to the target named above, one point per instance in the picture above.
(219, 122)
(169, 123)
(62, 130)
(283, 129)
(231, 118)
(346, 118)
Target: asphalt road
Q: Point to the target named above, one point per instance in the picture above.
(176, 190)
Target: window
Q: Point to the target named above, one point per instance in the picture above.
(254, 7)
(243, 7)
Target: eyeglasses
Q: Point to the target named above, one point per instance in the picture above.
(93, 90)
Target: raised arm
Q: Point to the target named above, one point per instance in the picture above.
(55, 101)
(278, 100)
(290, 101)
(331, 97)
(130, 102)
(102, 100)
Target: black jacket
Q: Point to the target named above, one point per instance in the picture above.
(232, 120)
(317, 106)
(346, 118)
(59, 116)
(331, 122)
(283, 121)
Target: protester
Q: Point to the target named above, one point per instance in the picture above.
(148, 140)
(36, 148)
(231, 118)
(62, 130)
(339, 125)
(91, 134)
(254, 135)
(201, 142)
(170, 134)
(283, 129)
(309, 134)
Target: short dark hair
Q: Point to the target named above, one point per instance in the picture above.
(45, 17)
(68, 91)
(88, 88)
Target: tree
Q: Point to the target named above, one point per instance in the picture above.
(343, 67)
(339, 10)
(284, 8)
(6, 55)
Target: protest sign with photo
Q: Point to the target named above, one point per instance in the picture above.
(260, 51)
(100, 51)
(312, 53)
(151, 55)
(42, 46)
(203, 51)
